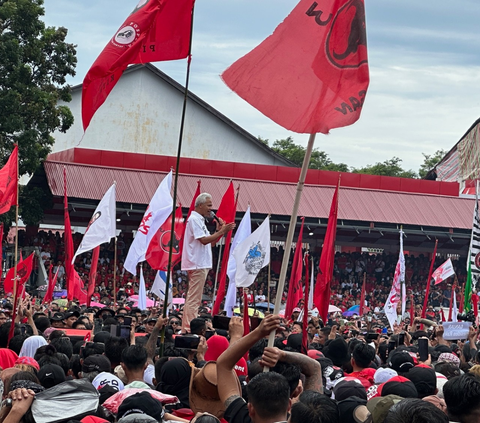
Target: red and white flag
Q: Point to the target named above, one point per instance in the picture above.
(157, 212)
(397, 288)
(443, 272)
(8, 182)
(311, 74)
(156, 30)
(158, 251)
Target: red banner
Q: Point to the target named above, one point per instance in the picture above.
(295, 292)
(311, 74)
(305, 306)
(226, 211)
(321, 296)
(92, 276)
(156, 30)
(8, 182)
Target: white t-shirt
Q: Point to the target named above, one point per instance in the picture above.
(195, 255)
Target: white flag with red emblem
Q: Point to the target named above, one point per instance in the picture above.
(157, 212)
(398, 288)
(443, 272)
(102, 225)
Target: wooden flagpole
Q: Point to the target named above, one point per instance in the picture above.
(175, 182)
(291, 232)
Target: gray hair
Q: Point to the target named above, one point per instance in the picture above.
(202, 199)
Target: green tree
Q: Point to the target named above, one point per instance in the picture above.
(34, 63)
(391, 167)
(295, 153)
(430, 161)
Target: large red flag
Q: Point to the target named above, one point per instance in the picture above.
(92, 276)
(192, 208)
(1, 242)
(24, 269)
(156, 30)
(321, 296)
(226, 211)
(311, 74)
(8, 182)
(295, 291)
(158, 250)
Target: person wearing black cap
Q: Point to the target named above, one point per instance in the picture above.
(57, 320)
(51, 375)
(70, 317)
(140, 404)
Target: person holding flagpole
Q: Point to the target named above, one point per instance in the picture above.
(197, 254)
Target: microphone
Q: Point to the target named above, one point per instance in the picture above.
(214, 217)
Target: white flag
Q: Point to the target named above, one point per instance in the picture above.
(102, 225)
(159, 285)
(243, 231)
(252, 255)
(142, 293)
(443, 272)
(397, 286)
(157, 212)
(454, 307)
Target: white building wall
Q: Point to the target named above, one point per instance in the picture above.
(142, 115)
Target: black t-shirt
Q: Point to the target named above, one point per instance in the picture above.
(237, 412)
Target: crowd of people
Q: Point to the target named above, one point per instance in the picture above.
(349, 271)
(352, 370)
(115, 362)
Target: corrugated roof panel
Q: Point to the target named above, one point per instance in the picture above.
(134, 186)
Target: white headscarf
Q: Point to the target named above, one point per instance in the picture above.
(30, 346)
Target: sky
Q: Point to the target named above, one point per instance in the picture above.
(424, 59)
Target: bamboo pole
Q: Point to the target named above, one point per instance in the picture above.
(291, 232)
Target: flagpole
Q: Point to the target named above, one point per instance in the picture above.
(268, 287)
(16, 239)
(218, 268)
(175, 181)
(115, 272)
(291, 232)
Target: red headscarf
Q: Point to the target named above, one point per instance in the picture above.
(7, 358)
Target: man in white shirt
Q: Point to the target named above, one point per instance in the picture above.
(197, 254)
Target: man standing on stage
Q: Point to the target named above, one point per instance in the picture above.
(197, 254)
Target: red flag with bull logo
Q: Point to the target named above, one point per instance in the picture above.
(156, 30)
(311, 74)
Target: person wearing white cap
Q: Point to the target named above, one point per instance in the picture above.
(383, 375)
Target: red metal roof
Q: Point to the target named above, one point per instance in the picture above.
(257, 172)
(370, 205)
